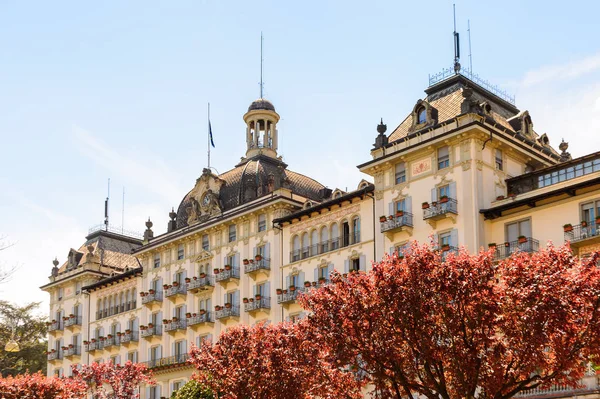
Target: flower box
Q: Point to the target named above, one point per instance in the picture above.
(151, 292)
(500, 198)
(292, 288)
(399, 214)
(443, 199)
(390, 217)
(382, 219)
(165, 286)
(188, 315)
(246, 262)
(258, 257)
(522, 239)
(584, 223)
(279, 291)
(150, 325)
(202, 275)
(227, 267)
(446, 248)
(217, 308)
(175, 284)
(245, 300)
(187, 279)
(569, 227)
(228, 305)
(307, 284)
(216, 271)
(257, 297)
(425, 205)
(322, 280)
(202, 311)
(492, 245)
(165, 321)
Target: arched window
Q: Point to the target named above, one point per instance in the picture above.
(305, 246)
(335, 235)
(314, 242)
(324, 240)
(355, 229)
(134, 302)
(295, 249)
(421, 115)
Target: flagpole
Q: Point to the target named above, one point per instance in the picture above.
(208, 136)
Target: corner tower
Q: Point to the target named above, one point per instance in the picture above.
(261, 129)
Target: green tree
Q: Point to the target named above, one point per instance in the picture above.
(192, 390)
(29, 330)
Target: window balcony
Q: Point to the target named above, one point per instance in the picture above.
(201, 319)
(180, 360)
(72, 351)
(226, 276)
(55, 326)
(175, 291)
(149, 299)
(173, 326)
(287, 297)
(324, 246)
(72, 322)
(580, 235)
(226, 313)
(201, 285)
(56, 355)
(254, 305)
(398, 223)
(128, 338)
(149, 332)
(255, 266)
(109, 343)
(92, 346)
(114, 310)
(439, 210)
(526, 244)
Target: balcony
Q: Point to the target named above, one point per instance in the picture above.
(128, 338)
(55, 326)
(255, 266)
(201, 285)
(109, 343)
(255, 305)
(180, 360)
(226, 313)
(324, 246)
(588, 385)
(114, 310)
(527, 244)
(288, 297)
(92, 346)
(398, 223)
(580, 235)
(448, 249)
(72, 351)
(440, 210)
(56, 355)
(72, 322)
(151, 298)
(226, 276)
(201, 319)
(149, 332)
(173, 326)
(176, 291)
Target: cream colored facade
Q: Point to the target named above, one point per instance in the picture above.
(458, 170)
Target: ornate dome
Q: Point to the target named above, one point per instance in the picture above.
(261, 103)
(255, 178)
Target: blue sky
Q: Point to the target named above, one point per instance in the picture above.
(92, 90)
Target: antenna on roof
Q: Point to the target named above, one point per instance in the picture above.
(106, 206)
(262, 84)
(470, 56)
(456, 44)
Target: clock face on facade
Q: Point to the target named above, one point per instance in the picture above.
(206, 200)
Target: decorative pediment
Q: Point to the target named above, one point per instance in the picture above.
(203, 255)
(204, 198)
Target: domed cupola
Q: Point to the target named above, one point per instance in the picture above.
(261, 129)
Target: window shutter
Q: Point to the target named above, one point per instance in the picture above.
(452, 190)
(267, 292)
(254, 289)
(434, 194)
(287, 282)
(150, 354)
(391, 209)
(268, 250)
(346, 266)
(330, 269)
(224, 298)
(392, 250)
(236, 260)
(184, 346)
(236, 298)
(159, 351)
(362, 263)
(454, 238)
(254, 251)
(118, 359)
(316, 273)
(173, 349)
(408, 204)
(301, 279)
(224, 261)
(208, 305)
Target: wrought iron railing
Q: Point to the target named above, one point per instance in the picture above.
(73, 321)
(233, 311)
(55, 355)
(175, 325)
(201, 282)
(527, 244)
(440, 208)
(116, 230)
(108, 342)
(129, 337)
(72, 351)
(114, 310)
(397, 221)
(178, 289)
(582, 231)
(92, 346)
(448, 72)
(55, 326)
(256, 304)
(290, 296)
(167, 361)
(151, 331)
(324, 246)
(255, 265)
(156, 297)
(207, 317)
(225, 275)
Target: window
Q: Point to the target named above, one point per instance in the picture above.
(516, 229)
(400, 173)
(59, 294)
(335, 234)
(180, 252)
(132, 357)
(156, 260)
(499, 162)
(180, 277)
(155, 353)
(444, 239)
(421, 115)
(323, 272)
(180, 349)
(345, 234)
(400, 206)
(296, 250)
(590, 211)
(324, 240)
(205, 243)
(262, 251)
(114, 359)
(262, 222)
(232, 233)
(444, 191)
(443, 157)
(179, 312)
(305, 246)
(355, 265)
(78, 288)
(154, 392)
(231, 261)
(230, 297)
(77, 310)
(355, 230)
(261, 289)
(177, 386)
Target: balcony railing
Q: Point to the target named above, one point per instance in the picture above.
(55, 356)
(324, 246)
(256, 265)
(175, 325)
(126, 338)
(582, 232)
(224, 313)
(439, 209)
(55, 326)
(149, 298)
(201, 284)
(508, 248)
(226, 275)
(397, 222)
(180, 289)
(207, 317)
(114, 310)
(109, 342)
(73, 321)
(168, 361)
(257, 304)
(92, 346)
(151, 331)
(75, 350)
(290, 296)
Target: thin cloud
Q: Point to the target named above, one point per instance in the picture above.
(568, 71)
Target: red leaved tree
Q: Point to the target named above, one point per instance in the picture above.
(124, 380)
(464, 327)
(38, 386)
(270, 361)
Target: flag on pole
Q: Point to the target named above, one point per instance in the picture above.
(210, 134)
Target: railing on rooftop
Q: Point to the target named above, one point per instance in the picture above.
(494, 89)
(115, 230)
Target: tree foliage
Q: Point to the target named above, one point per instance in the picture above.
(271, 361)
(193, 390)
(463, 327)
(30, 334)
(38, 386)
(123, 380)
